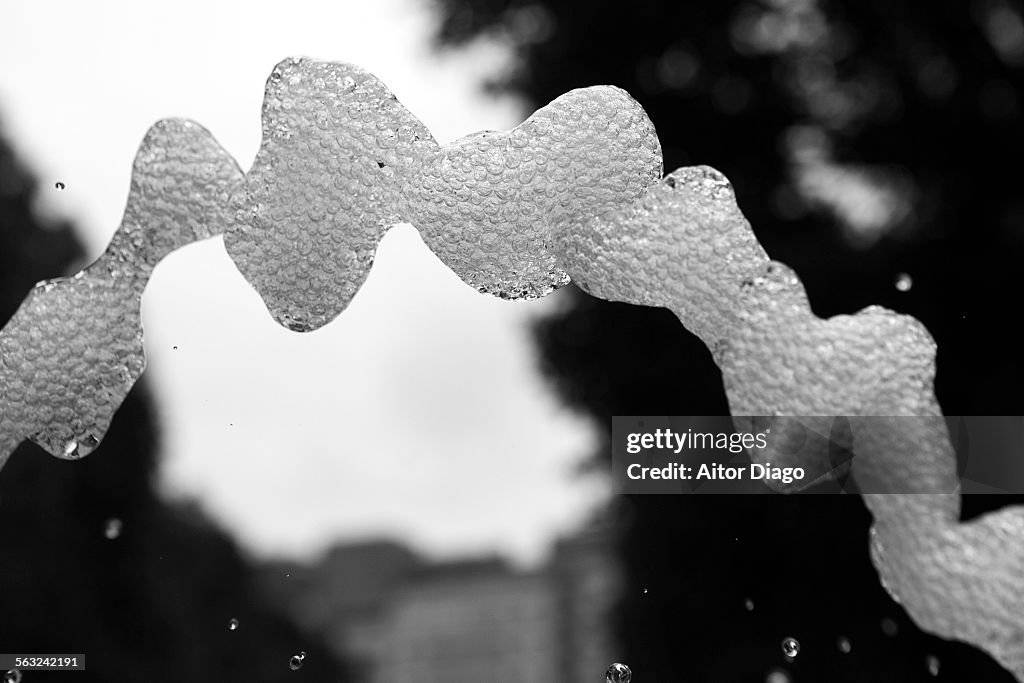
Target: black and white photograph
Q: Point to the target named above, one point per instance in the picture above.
(511, 341)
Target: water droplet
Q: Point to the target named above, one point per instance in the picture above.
(790, 647)
(889, 627)
(645, 591)
(296, 662)
(12, 676)
(749, 604)
(233, 625)
(618, 673)
(112, 529)
(932, 662)
(844, 645)
(904, 282)
(59, 186)
(777, 676)
(175, 348)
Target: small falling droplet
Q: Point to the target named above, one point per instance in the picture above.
(749, 604)
(790, 647)
(112, 529)
(844, 645)
(904, 282)
(175, 348)
(233, 625)
(618, 673)
(59, 185)
(645, 591)
(295, 663)
(12, 676)
(889, 627)
(932, 662)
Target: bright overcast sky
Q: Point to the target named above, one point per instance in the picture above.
(418, 413)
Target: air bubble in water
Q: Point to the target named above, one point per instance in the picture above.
(112, 529)
(618, 673)
(844, 645)
(790, 647)
(296, 662)
(233, 625)
(932, 662)
(59, 186)
(12, 676)
(749, 604)
(904, 282)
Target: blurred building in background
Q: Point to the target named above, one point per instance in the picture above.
(399, 618)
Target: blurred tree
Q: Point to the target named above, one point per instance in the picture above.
(29, 251)
(93, 562)
(864, 140)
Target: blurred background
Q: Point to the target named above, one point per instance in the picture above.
(417, 491)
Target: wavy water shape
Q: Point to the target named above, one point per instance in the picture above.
(515, 214)
(73, 349)
(686, 246)
(489, 204)
(324, 188)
